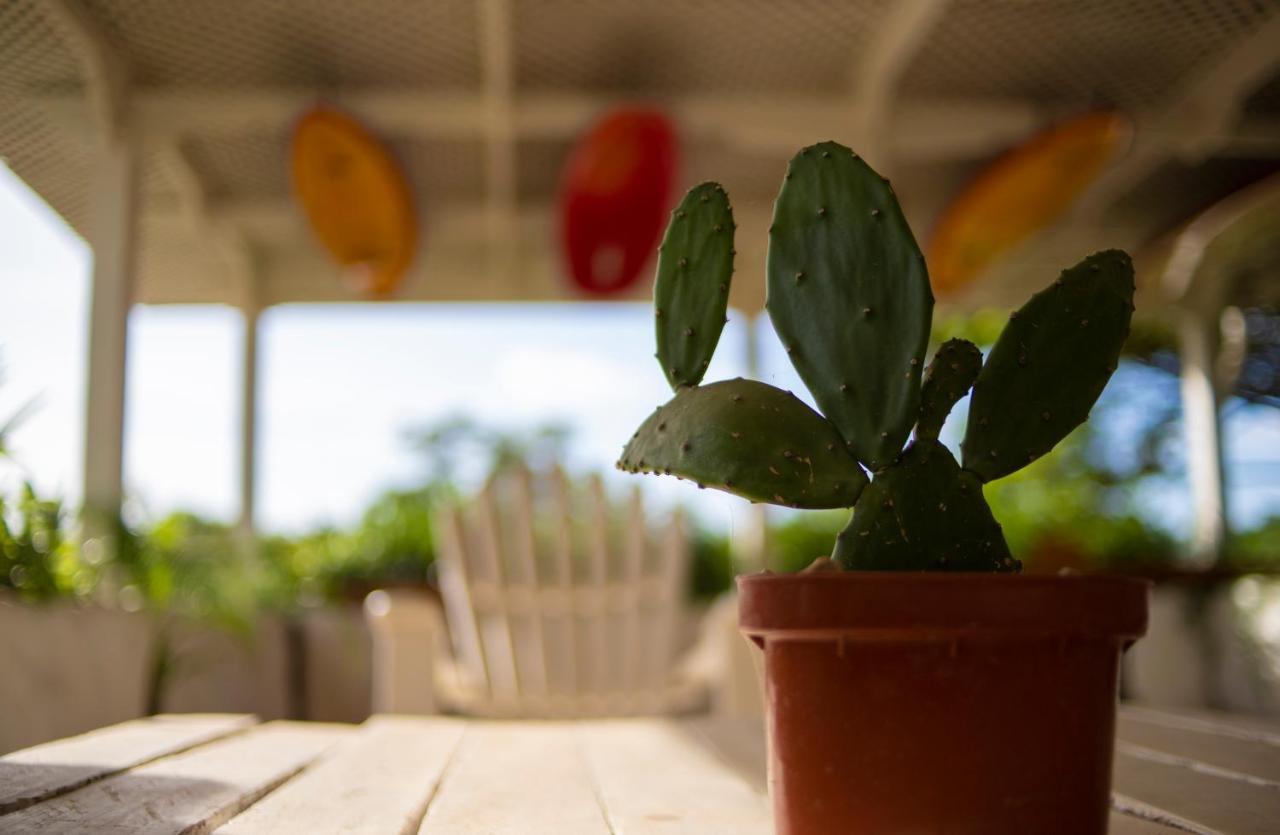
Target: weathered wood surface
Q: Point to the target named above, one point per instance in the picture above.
(655, 777)
(379, 779)
(508, 775)
(193, 791)
(1174, 773)
(44, 771)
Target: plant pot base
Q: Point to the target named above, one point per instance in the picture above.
(987, 716)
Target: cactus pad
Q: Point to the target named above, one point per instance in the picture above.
(849, 295)
(749, 439)
(691, 290)
(951, 372)
(924, 514)
(1049, 365)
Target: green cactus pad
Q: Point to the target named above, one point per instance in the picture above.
(691, 291)
(749, 439)
(1049, 366)
(849, 295)
(924, 513)
(951, 372)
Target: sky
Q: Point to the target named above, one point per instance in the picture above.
(341, 385)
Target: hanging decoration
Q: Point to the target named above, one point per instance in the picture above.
(615, 193)
(1020, 193)
(356, 199)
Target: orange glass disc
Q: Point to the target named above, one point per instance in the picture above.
(1019, 194)
(356, 199)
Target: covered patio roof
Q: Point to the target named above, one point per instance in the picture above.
(481, 100)
(158, 130)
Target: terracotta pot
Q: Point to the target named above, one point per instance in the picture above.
(941, 703)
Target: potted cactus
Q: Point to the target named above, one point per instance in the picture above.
(919, 683)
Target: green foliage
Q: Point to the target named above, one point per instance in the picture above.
(710, 565)
(794, 543)
(691, 289)
(1259, 548)
(1063, 511)
(36, 561)
(849, 295)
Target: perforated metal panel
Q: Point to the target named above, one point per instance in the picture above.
(33, 58)
(649, 47)
(1125, 52)
(1059, 53)
(239, 43)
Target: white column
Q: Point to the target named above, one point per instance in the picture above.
(1197, 339)
(248, 419)
(113, 237)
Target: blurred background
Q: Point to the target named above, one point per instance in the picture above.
(278, 280)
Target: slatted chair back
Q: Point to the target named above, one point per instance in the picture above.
(560, 604)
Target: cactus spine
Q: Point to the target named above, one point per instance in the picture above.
(849, 296)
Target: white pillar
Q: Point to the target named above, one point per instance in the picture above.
(113, 237)
(1197, 338)
(248, 419)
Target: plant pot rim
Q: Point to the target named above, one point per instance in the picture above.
(923, 605)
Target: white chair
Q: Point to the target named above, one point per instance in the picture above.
(557, 605)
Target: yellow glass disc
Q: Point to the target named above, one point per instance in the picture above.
(355, 197)
(1019, 194)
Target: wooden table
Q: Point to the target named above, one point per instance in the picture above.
(1175, 773)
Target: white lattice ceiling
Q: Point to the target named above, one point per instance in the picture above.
(481, 99)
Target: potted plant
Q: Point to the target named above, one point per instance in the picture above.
(915, 681)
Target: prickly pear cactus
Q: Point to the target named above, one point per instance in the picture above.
(691, 290)
(849, 296)
(1049, 366)
(749, 439)
(950, 375)
(924, 514)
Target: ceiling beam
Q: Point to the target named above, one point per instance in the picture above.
(497, 71)
(876, 74)
(923, 129)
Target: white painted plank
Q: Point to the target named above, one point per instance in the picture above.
(38, 773)
(190, 792)
(1127, 824)
(634, 548)
(526, 778)
(599, 624)
(562, 564)
(533, 658)
(487, 561)
(379, 780)
(455, 588)
(1194, 797)
(654, 777)
(1253, 728)
(1257, 760)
